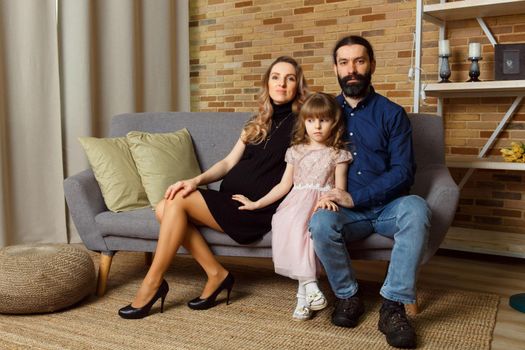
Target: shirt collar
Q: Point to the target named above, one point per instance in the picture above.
(362, 104)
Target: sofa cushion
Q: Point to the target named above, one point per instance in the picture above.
(162, 159)
(141, 223)
(115, 172)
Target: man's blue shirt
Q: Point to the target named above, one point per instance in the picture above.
(380, 139)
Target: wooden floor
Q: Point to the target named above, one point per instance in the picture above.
(473, 272)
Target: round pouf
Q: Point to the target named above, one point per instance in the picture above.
(41, 278)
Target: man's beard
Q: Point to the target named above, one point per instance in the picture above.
(356, 90)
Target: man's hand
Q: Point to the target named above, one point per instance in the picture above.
(246, 203)
(185, 186)
(342, 198)
(326, 204)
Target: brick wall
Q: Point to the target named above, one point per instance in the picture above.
(233, 41)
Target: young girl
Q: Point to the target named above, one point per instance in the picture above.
(316, 162)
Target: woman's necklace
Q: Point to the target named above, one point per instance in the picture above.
(274, 130)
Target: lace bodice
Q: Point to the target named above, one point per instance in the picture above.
(315, 168)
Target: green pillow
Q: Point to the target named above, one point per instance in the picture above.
(115, 173)
(163, 159)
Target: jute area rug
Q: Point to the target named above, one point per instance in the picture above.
(259, 317)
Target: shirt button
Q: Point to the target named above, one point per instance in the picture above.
(358, 173)
(351, 114)
(355, 153)
(351, 133)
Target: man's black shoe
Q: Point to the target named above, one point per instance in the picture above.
(394, 324)
(347, 311)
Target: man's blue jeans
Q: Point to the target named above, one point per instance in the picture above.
(405, 219)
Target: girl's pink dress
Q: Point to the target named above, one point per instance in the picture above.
(313, 173)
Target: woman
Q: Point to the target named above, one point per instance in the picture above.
(253, 167)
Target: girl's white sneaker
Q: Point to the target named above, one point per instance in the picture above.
(302, 313)
(316, 301)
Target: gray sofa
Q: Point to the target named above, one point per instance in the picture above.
(214, 134)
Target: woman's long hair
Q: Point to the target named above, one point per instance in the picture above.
(256, 130)
(320, 105)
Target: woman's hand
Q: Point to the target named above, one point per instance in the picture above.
(326, 204)
(185, 186)
(246, 203)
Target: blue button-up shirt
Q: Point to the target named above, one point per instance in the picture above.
(380, 139)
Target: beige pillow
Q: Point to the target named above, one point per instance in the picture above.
(115, 172)
(162, 159)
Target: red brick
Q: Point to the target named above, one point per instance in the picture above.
(207, 48)
(251, 77)
(325, 22)
(303, 10)
(457, 150)
(233, 52)
(507, 213)
(231, 39)
(232, 91)
(243, 44)
(293, 33)
(303, 39)
(283, 26)
(263, 56)
(273, 20)
(313, 2)
(360, 11)
(252, 64)
(377, 17)
(243, 4)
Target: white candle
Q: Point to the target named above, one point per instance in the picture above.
(444, 48)
(474, 50)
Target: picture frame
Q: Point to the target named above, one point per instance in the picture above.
(509, 62)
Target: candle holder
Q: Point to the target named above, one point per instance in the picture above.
(473, 72)
(444, 69)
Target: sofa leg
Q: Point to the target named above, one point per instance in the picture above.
(103, 272)
(148, 258)
(412, 309)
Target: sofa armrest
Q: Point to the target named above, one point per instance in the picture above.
(442, 195)
(85, 202)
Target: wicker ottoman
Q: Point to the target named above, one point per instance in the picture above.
(40, 278)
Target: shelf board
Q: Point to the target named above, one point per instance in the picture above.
(473, 8)
(485, 242)
(477, 89)
(473, 162)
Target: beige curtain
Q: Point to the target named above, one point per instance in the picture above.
(66, 67)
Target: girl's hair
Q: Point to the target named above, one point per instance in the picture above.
(321, 105)
(256, 130)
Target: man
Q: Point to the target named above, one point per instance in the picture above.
(377, 200)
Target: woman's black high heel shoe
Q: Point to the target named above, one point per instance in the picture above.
(131, 312)
(203, 304)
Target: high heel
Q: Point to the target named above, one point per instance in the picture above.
(131, 312)
(203, 304)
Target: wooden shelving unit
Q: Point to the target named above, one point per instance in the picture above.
(474, 162)
(473, 240)
(485, 242)
(478, 89)
(466, 9)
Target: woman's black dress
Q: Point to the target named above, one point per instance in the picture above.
(259, 170)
